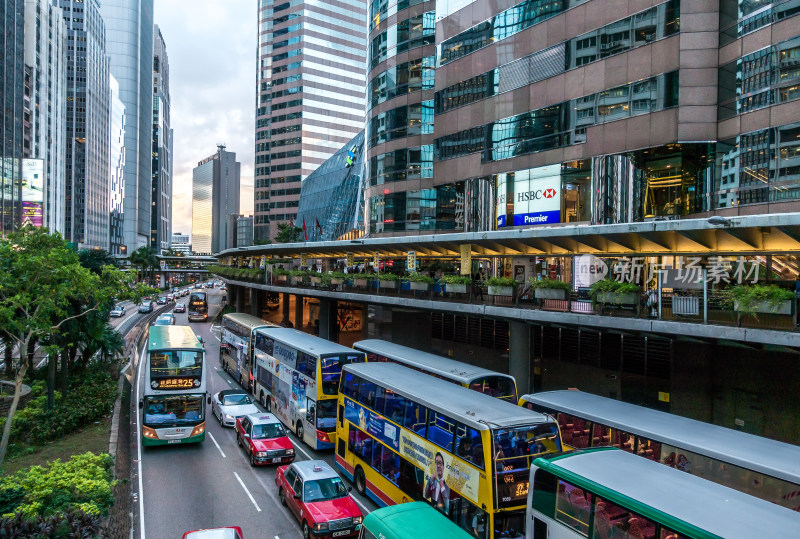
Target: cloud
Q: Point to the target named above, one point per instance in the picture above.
(211, 47)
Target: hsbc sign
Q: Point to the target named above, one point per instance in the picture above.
(537, 196)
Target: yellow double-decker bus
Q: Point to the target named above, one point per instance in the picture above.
(406, 436)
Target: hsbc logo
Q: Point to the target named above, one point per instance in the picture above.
(539, 194)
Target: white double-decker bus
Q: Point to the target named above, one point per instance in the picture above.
(174, 397)
(297, 377)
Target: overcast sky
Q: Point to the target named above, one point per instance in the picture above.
(211, 45)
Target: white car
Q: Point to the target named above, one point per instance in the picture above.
(229, 404)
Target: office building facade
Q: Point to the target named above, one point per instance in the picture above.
(45, 113)
(161, 208)
(12, 15)
(116, 154)
(310, 98)
(215, 196)
(129, 27)
(87, 135)
(543, 114)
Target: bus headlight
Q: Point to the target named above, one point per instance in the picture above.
(147, 432)
(199, 429)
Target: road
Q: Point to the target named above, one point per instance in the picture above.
(188, 487)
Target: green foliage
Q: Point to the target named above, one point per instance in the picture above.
(614, 287)
(747, 297)
(457, 279)
(84, 482)
(552, 284)
(502, 281)
(387, 277)
(418, 278)
(91, 397)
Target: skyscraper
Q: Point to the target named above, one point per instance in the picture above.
(88, 113)
(161, 208)
(310, 97)
(45, 112)
(215, 196)
(116, 170)
(12, 75)
(129, 25)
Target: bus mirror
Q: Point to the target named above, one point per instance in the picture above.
(141, 404)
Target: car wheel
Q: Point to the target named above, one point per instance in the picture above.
(282, 495)
(306, 533)
(300, 430)
(360, 481)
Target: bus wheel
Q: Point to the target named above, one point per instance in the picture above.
(300, 430)
(360, 481)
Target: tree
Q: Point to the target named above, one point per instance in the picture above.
(39, 279)
(286, 235)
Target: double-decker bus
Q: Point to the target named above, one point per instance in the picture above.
(174, 397)
(606, 493)
(297, 377)
(198, 306)
(403, 435)
(413, 520)
(495, 384)
(758, 466)
(237, 342)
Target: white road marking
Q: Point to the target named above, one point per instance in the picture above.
(247, 491)
(216, 444)
(139, 446)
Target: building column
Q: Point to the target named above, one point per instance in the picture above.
(257, 302)
(298, 311)
(519, 355)
(240, 299)
(285, 307)
(328, 324)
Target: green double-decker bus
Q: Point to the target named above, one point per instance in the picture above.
(414, 520)
(174, 397)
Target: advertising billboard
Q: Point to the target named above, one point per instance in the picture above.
(33, 192)
(537, 196)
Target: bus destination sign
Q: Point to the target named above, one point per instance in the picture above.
(184, 382)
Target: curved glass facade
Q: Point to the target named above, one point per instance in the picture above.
(408, 34)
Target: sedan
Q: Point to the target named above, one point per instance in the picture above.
(264, 439)
(117, 311)
(230, 404)
(179, 308)
(319, 499)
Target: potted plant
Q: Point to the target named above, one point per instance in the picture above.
(456, 283)
(419, 281)
(387, 280)
(549, 288)
(615, 292)
(502, 286)
(765, 299)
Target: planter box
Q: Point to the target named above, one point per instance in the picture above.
(629, 298)
(501, 290)
(456, 288)
(361, 283)
(766, 307)
(549, 293)
(685, 305)
(337, 281)
(388, 284)
(420, 286)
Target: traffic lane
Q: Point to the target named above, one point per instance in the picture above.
(302, 451)
(199, 486)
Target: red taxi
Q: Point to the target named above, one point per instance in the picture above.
(319, 499)
(263, 438)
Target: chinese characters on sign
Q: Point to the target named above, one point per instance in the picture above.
(688, 270)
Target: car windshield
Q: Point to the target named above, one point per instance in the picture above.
(237, 399)
(324, 489)
(268, 430)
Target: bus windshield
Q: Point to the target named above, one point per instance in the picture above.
(169, 363)
(173, 410)
(332, 370)
(326, 415)
(499, 387)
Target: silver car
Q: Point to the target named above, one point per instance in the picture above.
(229, 404)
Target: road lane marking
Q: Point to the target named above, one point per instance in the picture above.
(139, 446)
(247, 491)
(216, 444)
